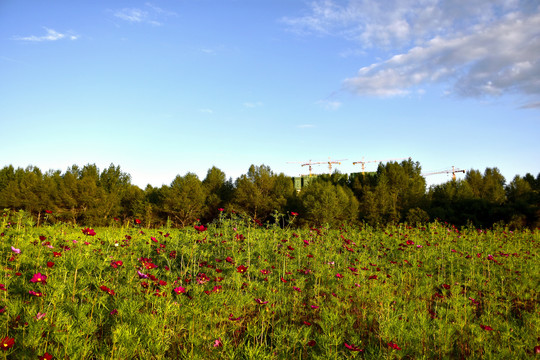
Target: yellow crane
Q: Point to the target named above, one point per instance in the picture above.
(311, 163)
(453, 171)
(363, 163)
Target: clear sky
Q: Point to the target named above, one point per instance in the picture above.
(163, 88)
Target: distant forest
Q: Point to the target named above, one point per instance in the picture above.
(396, 192)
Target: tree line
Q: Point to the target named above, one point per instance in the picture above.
(396, 192)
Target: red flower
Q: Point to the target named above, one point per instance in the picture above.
(311, 343)
(294, 213)
(373, 277)
(393, 346)
(7, 343)
(179, 290)
(46, 356)
(229, 260)
(50, 264)
(200, 228)
(339, 276)
(241, 269)
(3, 287)
(48, 211)
(446, 286)
(56, 254)
(39, 278)
(107, 290)
(352, 347)
(88, 232)
(486, 327)
(38, 294)
(42, 238)
(137, 221)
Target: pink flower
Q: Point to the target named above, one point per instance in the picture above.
(297, 289)
(218, 343)
(40, 316)
(39, 278)
(88, 232)
(353, 347)
(259, 301)
(15, 250)
(179, 290)
(38, 294)
(339, 276)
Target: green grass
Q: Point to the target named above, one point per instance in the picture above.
(407, 293)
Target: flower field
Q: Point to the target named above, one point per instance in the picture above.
(238, 290)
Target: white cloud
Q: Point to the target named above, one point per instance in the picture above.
(206, 111)
(252, 105)
(52, 35)
(499, 58)
(329, 105)
(151, 14)
(478, 47)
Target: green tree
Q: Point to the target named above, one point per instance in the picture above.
(184, 200)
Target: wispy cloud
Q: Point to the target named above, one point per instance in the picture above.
(305, 126)
(329, 105)
(252, 105)
(51, 35)
(478, 48)
(150, 14)
(206, 111)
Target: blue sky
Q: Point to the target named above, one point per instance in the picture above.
(163, 88)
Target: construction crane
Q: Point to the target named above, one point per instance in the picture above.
(374, 161)
(453, 171)
(330, 162)
(309, 163)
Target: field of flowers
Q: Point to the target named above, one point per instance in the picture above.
(239, 290)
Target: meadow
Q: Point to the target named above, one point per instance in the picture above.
(241, 290)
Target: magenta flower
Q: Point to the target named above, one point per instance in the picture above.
(40, 316)
(179, 290)
(141, 275)
(38, 294)
(339, 276)
(39, 278)
(259, 301)
(218, 343)
(15, 250)
(353, 347)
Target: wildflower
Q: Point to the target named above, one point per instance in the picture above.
(42, 238)
(56, 254)
(141, 275)
(48, 211)
(373, 277)
(114, 312)
(35, 293)
(88, 232)
(229, 260)
(486, 327)
(314, 307)
(307, 323)
(3, 287)
(311, 343)
(353, 347)
(200, 228)
(339, 276)
(241, 269)
(15, 250)
(297, 289)
(393, 346)
(46, 356)
(218, 343)
(137, 221)
(107, 290)
(50, 264)
(179, 290)
(446, 286)
(259, 301)
(221, 209)
(40, 316)
(39, 278)
(7, 343)
(294, 213)
(232, 318)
